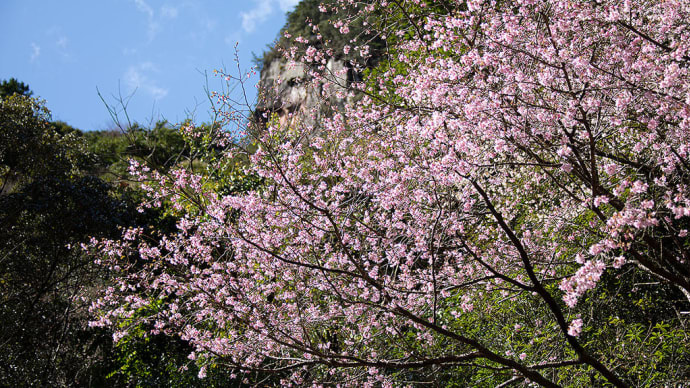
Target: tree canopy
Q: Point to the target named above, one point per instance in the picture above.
(12, 86)
(60, 188)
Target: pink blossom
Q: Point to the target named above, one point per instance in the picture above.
(550, 146)
(575, 328)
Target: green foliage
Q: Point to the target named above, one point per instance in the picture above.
(145, 360)
(161, 147)
(30, 146)
(637, 316)
(12, 86)
(52, 201)
(45, 338)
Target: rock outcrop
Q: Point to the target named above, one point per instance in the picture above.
(288, 93)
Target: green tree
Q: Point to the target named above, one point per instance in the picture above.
(30, 146)
(12, 86)
(45, 339)
(161, 146)
(51, 203)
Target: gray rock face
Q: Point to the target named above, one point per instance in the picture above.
(285, 91)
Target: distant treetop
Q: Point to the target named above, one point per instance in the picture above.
(12, 86)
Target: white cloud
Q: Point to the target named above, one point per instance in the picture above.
(36, 51)
(136, 78)
(287, 5)
(144, 7)
(62, 45)
(169, 12)
(256, 15)
(262, 10)
(153, 24)
(62, 42)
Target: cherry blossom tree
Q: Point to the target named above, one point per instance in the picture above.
(457, 220)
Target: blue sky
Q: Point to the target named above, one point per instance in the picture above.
(158, 50)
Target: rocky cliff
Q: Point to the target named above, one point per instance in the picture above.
(286, 92)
